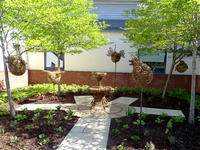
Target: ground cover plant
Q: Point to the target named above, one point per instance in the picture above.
(34, 130)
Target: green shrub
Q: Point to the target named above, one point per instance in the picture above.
(41, 89)
(4, 111)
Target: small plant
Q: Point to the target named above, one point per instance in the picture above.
(120, 147)
(13, 140)
(129, 113)
(139, 122)
(21, 148)
(50, 115)
(44, 141)
(143, 116)
(163, 115)
(135, 138)
(177, 119)
(51, 123)
(115, 131)
(42, 136)
(169, 126)
(158, 120)
(58, 107)
(25, 111)
(59, 129)
(118, 121)
(198, 118)
(149, 146)
(20, 117)
(14, 123)
(125, 126)
(4, 111)
(67, 118)
(146, 132)
(70, 112)
(2, 131)
(172, 139)
(38, 111)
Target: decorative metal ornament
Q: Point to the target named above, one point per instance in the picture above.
(181, 67)
(16, 65)
(142, 73)
(115, 57)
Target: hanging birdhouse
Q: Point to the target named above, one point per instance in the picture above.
(16, 65)
(115, 56)
(142, 73)
(181, 67)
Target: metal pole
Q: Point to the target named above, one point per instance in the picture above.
(115, 74)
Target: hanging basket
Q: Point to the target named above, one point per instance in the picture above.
(181, 67)
(16, 65)
(54, 76)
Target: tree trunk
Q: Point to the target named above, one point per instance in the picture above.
(169, 76)
(12, 110)
(193, 86)
(59, 88)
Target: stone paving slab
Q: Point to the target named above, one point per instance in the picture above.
(125, 100)
(87, 134)
(83, 99)
(156, 111)
(114, 110)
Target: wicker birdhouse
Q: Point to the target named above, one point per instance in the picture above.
(181, 67)
(16, 65)
(142, 73)
(115, 56)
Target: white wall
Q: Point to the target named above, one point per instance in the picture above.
(97, 60)
(187, 60)
(35, 61)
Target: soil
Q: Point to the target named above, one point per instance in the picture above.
(28, 131)
(187, 137)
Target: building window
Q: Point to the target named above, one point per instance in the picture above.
(51, 61)
(156, 60)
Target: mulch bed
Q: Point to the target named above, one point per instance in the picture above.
(28, 131)
(187, 136)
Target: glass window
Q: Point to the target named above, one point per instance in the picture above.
(156, 60)
(51, 61)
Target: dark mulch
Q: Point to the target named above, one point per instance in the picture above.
(28, 131)
(51, 98)
(187, 136)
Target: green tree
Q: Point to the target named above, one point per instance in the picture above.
(170, 26)
(69, 27)
(14, 18)
(154, 29)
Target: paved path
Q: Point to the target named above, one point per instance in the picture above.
(156, 111)
(87, 134)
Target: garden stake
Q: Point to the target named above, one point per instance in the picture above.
(115, 57)
(115, 74)
(141, 98)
